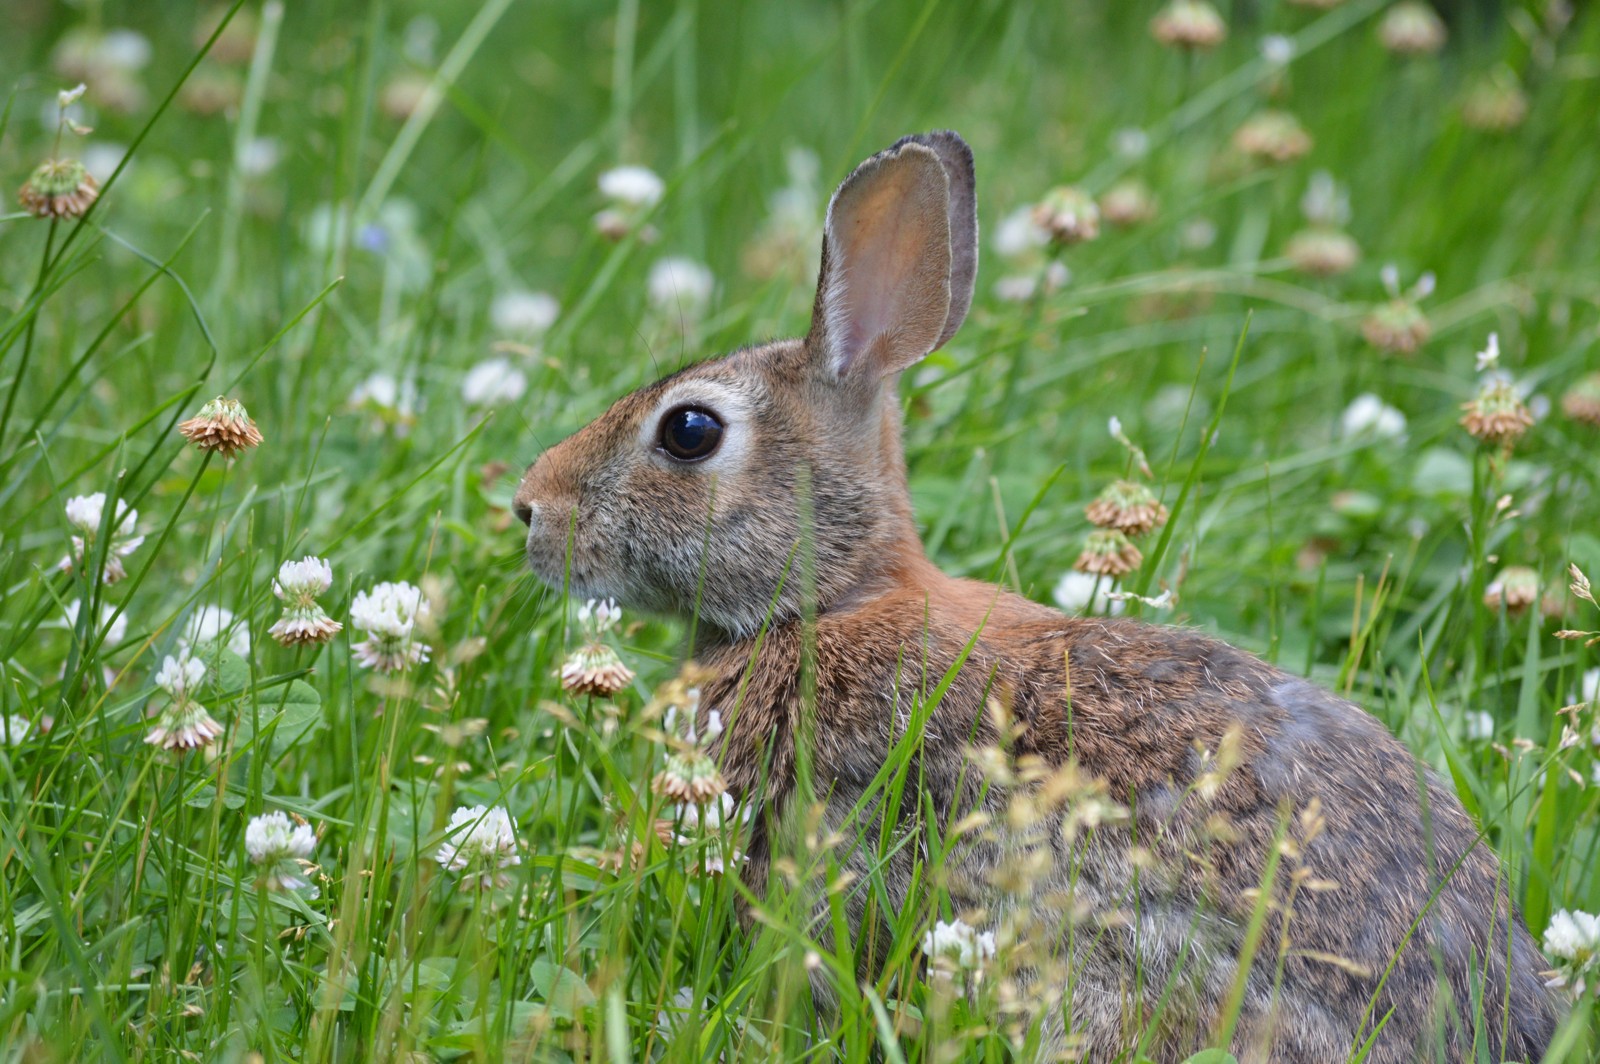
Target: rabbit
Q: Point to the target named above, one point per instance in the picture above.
(764, 495)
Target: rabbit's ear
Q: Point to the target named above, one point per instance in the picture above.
(899, 255)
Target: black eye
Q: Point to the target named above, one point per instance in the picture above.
(690, 433)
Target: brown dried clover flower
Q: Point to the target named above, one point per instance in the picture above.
(1108, 552)
(595, 669)
(59, 188)
(1189, 24)
(1128, 203)
(1398, 326)
(223, 425)
(1272, 136)
(1069, 215)
(1498, 415)
(1128, 507)
(1516, 587)
(690, 776)
(1322, 251)
(1582, 401)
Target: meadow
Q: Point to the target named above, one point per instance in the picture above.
(1323, 277)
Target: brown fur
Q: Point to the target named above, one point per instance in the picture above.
(806, 507)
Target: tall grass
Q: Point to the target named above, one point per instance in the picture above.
(424, 159)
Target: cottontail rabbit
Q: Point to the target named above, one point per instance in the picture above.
(749, 489)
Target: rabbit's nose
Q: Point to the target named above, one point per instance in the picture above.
(524, 512)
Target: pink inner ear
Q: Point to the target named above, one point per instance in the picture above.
(889, 240)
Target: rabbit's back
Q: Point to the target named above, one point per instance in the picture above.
(1216, 755)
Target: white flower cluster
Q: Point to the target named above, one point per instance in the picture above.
(184, 724)
(956, 947)
(214, 625)
(114, 630)
(680, 286)
(481, 842)
(389, 614)
(1368, 414)
(599, 616)
(493, 382)
(14, 729)
(1572, 940)
(279, 846)
(1020, 242)
(86, 513)
(179, 675)
(1074, 591)
(520, 312)
(392, 402)
(304, 622)
(631, 191)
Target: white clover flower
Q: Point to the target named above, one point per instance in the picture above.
(680, 284)
(394, 401)
(1021, 287)
(124, 49)
(713, 816)
(280, 846)
(117, 628)
(102, 158)
(599, 616)
(215, 624)
(1277, 49)
(180, 674)
(389, 614)
(14, 729)
(1072, 593)
(259, 156)
(1198, 234)
(1480, 726)
(1114, 427)
(1489, 357)
(1018, 234)
(636, 186)
(1390, 276)
(524, 313)
(1572, 940)
(85, 513)
(1590, 686)
(304, 622)
(1131, 142)
(1326, 202)
(492, 382)
(957, 947)
(481, 842)
(1369, 414)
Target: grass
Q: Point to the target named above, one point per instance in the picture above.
(366, 237)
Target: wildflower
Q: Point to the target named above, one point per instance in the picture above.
(1067, 215)
(1272, 136)
(393, 401)
(1497, 416)
(184, 724)
(1128, 203)
(1325, 202)
(1322, 252)
(1496, 103)
(636, 186)
(632, 192)
(1480, 726)
(783, 245)
(223, 425)
(1399, 325)
(389, 614)
(59, 188)
(1073, 593)
(1368, 414)
(85, 513)
(403, 94)
(259, 156)
(957, 947)
(595, 669)
(1018, 235)
(1020, 287)
(304, 622)
(1108, 553)
(1188, 24)
(1590, 686)
(114, 632)
(1127, 506)
(1582, 401)
(1572, 939)
(1411, 27)
(1516, 587)
(481, 842)
(492, 382)
(211, 90)
(212, 625)
(690, 775)
(237, 41)
(680, 285)
(1131, 142)
(523, 313)
(14, 729)
(1489, 357)
(282, 848)
(1021, 242)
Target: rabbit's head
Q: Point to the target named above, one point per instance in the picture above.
(734, 488)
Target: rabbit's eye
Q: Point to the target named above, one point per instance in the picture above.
(690, 433)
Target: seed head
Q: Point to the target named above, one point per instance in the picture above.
(1322, 251)
(1582, 401)
(1497, 416)
(1108, 552)
(223, 425)
(59, 188)
(1193, 25)
(1068, 215)
(1412, 28)
(1127, 506)
(1272, 136)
